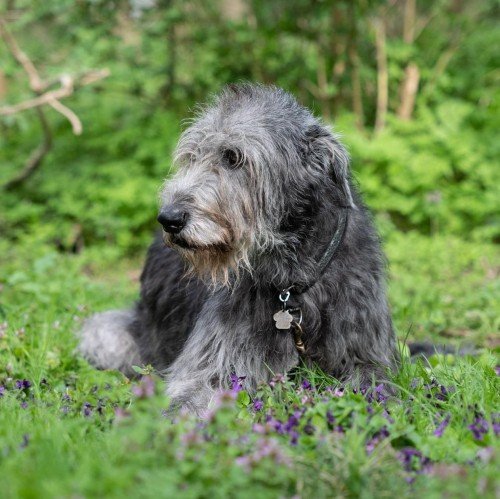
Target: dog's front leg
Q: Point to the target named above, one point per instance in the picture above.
(216, 349)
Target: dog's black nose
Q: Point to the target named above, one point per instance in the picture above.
(173, 218)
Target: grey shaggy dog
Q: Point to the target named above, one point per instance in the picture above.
(260, 191)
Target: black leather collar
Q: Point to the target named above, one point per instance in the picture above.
(327, 256)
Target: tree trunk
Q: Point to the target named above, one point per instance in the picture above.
(357, 92)
(382, 75)
(171, 64)
(320, 89)
(409, 19)
(3, 86)
(171, 51)
(235, 10)
(337, 49)
(409, 85)
(409, 88)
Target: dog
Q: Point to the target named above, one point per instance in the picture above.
(268, 258)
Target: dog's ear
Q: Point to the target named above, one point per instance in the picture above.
(327, 153)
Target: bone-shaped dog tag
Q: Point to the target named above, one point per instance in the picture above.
(283, 319)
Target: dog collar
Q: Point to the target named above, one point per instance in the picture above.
(285, 318)
(327, 256)
(331, 249)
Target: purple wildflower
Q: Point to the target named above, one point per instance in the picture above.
(306, 385)
(294, 437)
(497, 370)
(266, 448)
(495, 423)
(244, 461)
(413, 460)
(330, 418)
(258, 405)
(236, 382)
(387, 415)
(279, 379)
(380, 435)
(278, 426)
(443, 393)
(479, 427)
(23, 384)
(260, 429)
(2, 390)
(87, 409)
(191, 438)
(145, 388)
(382, 394)
(438, 432)
(66, 398)
(307, 399)
(293, 421)
(378, 394)
(338, 392)
(24, 405)
(370, 446)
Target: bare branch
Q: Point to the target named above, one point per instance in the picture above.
(67, 89)
(43, 97)
(441, 65)
(36, 82)
(76, 124)
(37, 156)
(39, 101)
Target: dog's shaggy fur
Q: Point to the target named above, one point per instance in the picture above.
(260, 184)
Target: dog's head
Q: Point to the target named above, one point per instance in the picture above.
(249, 161)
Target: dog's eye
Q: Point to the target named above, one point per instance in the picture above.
(232, 158)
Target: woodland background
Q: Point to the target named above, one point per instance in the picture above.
(93, 94)
(413, 87)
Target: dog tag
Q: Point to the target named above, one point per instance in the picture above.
(283, 319)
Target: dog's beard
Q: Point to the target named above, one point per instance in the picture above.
(216, 262)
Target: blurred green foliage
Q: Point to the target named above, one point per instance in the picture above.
(430, 172)
(435, 171)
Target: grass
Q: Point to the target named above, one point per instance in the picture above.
(67, 430)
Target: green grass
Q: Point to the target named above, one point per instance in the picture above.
(78, 432)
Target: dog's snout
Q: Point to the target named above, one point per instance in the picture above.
(173, 218)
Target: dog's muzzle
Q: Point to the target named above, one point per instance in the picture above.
(173, 218)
